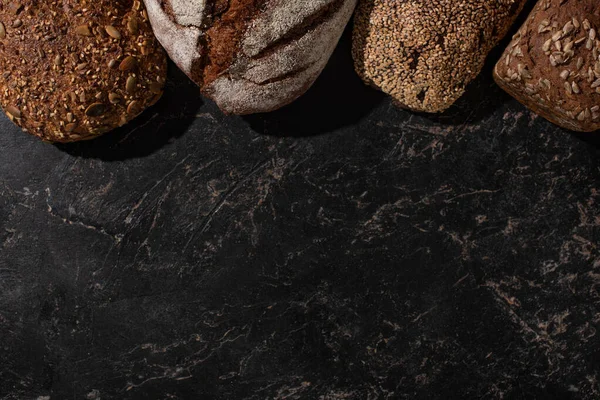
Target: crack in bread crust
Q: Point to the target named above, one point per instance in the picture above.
(253, 55)
(224, 37)
(226, 22)
(223, 23)
(315, 19)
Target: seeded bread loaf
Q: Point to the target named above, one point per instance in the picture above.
(553, 63)
(72, 70)
(423, 53)
(250, 56)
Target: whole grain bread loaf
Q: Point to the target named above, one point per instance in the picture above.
(553, 63)
(423, 53)
(72, 70)
(250, 56)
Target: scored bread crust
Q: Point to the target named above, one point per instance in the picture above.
(72, 70)
(552, 65)
(250, 56)
(424, 53)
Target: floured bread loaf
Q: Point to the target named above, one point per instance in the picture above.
(72, 70)
(250, 56)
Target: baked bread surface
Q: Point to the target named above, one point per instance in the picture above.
(72, 70)
(553, 63)
(250, 56)
(424, 53)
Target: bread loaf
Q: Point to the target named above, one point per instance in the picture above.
(423, 53)
(250, 56)
(553, 63)
(72, 70)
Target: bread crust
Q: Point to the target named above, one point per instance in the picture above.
(251, 56)
(73, 70)
(424, 53)
(552, 65)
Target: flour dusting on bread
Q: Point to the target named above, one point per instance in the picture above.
(253, 55)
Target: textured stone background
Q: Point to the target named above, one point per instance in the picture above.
(337, 249)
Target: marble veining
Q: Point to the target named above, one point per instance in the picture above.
(339, 248)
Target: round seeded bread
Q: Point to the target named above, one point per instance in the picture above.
(72, 70)
(553, 63)
(424, 53)
(250, 56)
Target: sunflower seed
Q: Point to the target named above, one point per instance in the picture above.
(547, 44)
(586, 25)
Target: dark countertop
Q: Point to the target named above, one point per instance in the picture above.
(337, 249)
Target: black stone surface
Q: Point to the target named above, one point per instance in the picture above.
(337, 249)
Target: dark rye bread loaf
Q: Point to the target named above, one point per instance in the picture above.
(553, 63)
(72, 70)
(423, 53)
(250, 56)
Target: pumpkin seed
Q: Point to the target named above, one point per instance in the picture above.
(131, 84)
(133, 26)
(96, 110)
(114, 98)
(134, 108)
(113, 32)
(128, 63)
(14, 111)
